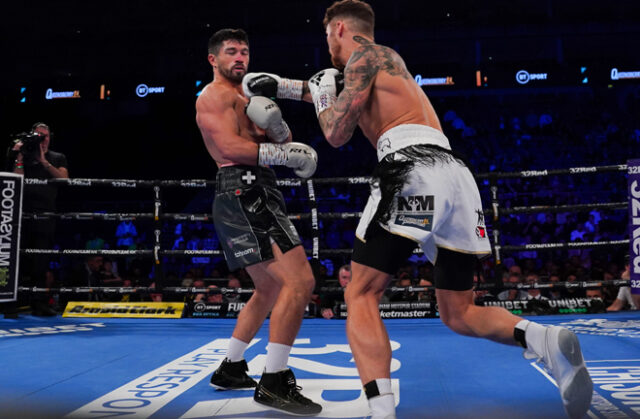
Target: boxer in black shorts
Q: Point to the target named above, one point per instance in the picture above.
(244, 137)
(250, 214)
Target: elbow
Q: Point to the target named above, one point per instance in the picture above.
(337, 138)
(337, 141)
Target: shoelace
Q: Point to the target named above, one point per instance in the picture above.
(294, 392)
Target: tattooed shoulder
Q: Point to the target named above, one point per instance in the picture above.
(391, 62)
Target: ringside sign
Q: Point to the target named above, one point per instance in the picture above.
(135, 310)
(10, 216)
(633, 169)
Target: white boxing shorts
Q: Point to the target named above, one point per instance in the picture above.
(438, 205)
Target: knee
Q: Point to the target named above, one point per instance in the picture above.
(301, 285)
(455, 320)
(266, 294)
(358, 294)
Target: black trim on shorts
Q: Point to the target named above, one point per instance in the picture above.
(454, 270)
(383, 251)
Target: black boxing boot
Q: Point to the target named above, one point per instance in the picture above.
(232, 376)
(279, 391)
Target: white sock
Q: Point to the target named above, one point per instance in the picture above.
(383, 406)
(235, 351)
(277, 357)
(534, 335)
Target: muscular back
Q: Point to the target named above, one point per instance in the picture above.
(379, 94)
(395, 97)
(228, 134)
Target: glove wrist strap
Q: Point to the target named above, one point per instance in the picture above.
(272, 154)
(290, 89)
(322, 101)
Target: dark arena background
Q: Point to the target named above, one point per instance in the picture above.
(541, 97)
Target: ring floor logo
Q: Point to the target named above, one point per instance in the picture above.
(605, 327)
(49, 330)
(151, 392)
(616, 382)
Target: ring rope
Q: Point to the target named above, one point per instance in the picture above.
(225, 290)
(202, 183)
(568, 245)
(315, 251)
(563, 208)
(301, 216)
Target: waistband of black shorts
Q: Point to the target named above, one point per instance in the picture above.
(242, 177)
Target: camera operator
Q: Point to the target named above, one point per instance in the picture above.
(33, 159)
(30, 156)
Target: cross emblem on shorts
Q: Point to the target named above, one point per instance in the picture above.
(248, 178)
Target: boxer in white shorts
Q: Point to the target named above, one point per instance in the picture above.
(439, 205)
(425, 195)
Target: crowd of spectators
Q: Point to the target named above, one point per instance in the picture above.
(496, 133)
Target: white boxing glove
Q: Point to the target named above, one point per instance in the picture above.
(323, 87)
(266, 114)
(271, 85)
(300, 157)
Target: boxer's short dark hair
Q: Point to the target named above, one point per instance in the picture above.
(215, 42)
(359, 11)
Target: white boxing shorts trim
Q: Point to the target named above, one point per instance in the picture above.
(405, 135)
(439, 204)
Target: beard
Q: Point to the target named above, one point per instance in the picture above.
(233, 74)
(335, 53)
(337, 64)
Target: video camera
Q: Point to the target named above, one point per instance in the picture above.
(30, 144)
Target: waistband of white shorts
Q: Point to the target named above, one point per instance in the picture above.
(406, 135)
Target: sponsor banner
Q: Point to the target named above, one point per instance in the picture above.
(400, 310)
(616, 74)
(633, 181)
(559, 306)
(137, 310)
(207, 310)
(434, 81)
(11, 214)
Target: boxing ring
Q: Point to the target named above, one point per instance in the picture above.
(100, 368)
(159, 368)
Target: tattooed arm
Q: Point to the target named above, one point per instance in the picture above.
(339, 121)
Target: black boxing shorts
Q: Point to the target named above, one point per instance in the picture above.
(249, 214)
